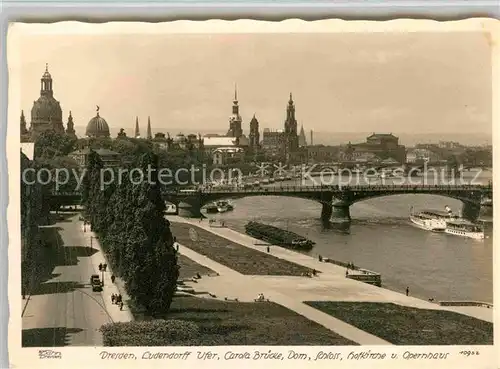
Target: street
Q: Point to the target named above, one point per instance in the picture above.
(60, 308)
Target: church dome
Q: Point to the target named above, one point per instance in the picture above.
(46, 108)
(180, 138)
(97, 127)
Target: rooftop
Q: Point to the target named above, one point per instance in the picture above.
(219, 141)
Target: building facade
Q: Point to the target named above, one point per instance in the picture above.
(378, 147)
(109, 158)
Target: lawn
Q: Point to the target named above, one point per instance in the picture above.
(210, 322)
(402, 325)
(189, 268)
(235, 256)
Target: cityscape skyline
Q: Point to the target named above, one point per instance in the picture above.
(450, 91)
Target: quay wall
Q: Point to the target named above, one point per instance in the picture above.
(360, 274)
(466, 303)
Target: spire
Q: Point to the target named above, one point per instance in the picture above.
(291, 99)
(150, 135)
(24, 130)
(97, 110)
(70, 127)
(137, 134)
(235, 93)
(302, 136)
(46, 67)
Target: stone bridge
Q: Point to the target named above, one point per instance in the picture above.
(335, 200)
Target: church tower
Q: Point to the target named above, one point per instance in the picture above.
(235, 118)
(291, 138)
(137, 133)
(254, 136)
(149, 134)
(70, 126)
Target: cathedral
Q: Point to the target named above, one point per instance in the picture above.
(46, 113)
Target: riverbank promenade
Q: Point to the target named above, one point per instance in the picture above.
(329, 285)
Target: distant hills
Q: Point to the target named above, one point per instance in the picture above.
(336, 138)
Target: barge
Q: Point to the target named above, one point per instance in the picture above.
(277, 236)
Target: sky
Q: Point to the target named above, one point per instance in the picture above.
(417, 82)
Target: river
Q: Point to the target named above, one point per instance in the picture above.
(382, 239)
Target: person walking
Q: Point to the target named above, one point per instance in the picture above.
(407, 291)
(113, 278)
(100, 267)
(105, 266)
(268, 249)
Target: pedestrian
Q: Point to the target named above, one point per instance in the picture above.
(119, 297)
(100, 267)
(113, 298)
(121, 305)
(320, 258)
(407, 291)
(268, 249)
(105, 266)
(347, 272)
(113, 278)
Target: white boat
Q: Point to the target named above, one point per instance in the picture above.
(464, 228)
(223, 206)
(431, 220)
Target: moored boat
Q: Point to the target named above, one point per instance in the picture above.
(211, 208)
(431, 220)
(464, 228)
(278, 236)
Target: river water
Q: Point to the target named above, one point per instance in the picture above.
(382, 239)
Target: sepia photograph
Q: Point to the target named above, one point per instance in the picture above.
(306, 188)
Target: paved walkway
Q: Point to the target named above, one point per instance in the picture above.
(331, 283)
(109, 287)
(61, 308)
(229, 284)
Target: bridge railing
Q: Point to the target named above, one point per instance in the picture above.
(302, 189)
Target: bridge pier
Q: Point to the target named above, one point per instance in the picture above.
(326, 212)
(340, 212)
(471, 211)
(486, 210)
(189, 210)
